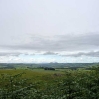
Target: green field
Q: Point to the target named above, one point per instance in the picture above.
(35, 74)
(49, 84)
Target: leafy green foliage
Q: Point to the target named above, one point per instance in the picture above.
(76, 84)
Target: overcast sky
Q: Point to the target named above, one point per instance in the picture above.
(49, 31)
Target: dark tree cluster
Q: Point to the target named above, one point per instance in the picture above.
(49, 68)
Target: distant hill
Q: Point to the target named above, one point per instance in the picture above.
(55, 65)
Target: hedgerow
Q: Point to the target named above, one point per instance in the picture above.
(74, 85)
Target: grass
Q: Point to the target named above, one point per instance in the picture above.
(35, 74)
(47, 84)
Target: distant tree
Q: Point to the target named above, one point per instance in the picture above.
(49, 68)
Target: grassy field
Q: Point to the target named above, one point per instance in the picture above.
(35, 75)
(49, 84)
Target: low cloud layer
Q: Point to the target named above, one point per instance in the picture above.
(82, 42)
(10, 53)
(50, 53)
(89, 54)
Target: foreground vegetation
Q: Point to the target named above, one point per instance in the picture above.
(58, 84)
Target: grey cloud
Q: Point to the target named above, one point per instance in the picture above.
(50, 53)
(88, 41)
(10, 54)
(90, 54)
